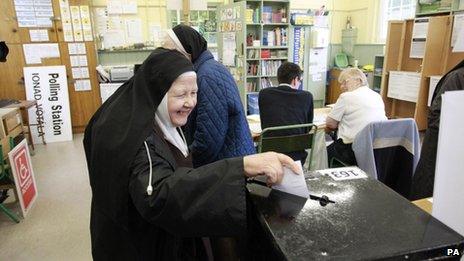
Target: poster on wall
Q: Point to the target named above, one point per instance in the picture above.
(23, 174)
(48, 86)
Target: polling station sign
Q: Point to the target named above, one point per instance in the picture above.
(23, 174)
(48, 85)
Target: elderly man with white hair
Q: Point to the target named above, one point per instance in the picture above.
(354, 109)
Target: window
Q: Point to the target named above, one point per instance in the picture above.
(394, 10)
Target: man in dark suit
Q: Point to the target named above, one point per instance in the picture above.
(286, 105)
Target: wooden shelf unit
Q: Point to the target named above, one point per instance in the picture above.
(437, 60)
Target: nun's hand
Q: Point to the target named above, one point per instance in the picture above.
(270, 164)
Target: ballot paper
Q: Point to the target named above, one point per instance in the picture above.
(293, 183)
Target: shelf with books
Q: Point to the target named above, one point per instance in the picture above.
(274, 47)
(275, 58)
(265, 38)
(274, 24)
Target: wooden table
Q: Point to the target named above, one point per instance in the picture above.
(425, 204)
(11, 127)
(24, 106)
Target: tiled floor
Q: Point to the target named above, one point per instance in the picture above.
(57, 228)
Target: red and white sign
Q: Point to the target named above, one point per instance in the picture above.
(23, 174)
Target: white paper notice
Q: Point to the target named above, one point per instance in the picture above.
(76, 48)
(433, 84)
(33, 53)
(76, 23)
(345, 173)
(66, 21)
(228, 52)
(458, 23)
(114, 6)
(74, 60)
(316, 77)
(421, 25)
(403, 85)
(293, 183)
(86, 26)
(72, 48)
(417, 48)
(82, 60)
(76, 73)
(39, 35)
(85, 72)
(134, 30)
(130, 7)
(459, 44)
(82, 85)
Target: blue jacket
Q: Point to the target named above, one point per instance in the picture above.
(217, 128)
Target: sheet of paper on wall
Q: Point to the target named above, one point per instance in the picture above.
(81, 48)
(404, 85)
(134, 30)
(101, 21)
(43, 22)
(85, 72)
(201, 5)
(421, 26)
(76, 23)
(114, 6)
(31, 55)
(82, 60)
(434, 79)
(174, 4)
(459, 44)
(112, 38)
(49, 50)
(74, 60)
(458, 23)
(86, 25)
(76, 48)
(129, 7)
(293, 183)
(316, 77)
(82, 85)
(417, 48)
(66, 21)
(76, 73)
(228, 52)
(39, 35)
(115, 23)
(155, 34)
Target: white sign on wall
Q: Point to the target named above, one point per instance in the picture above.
(49, 87)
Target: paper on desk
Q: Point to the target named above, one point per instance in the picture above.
(293, 183)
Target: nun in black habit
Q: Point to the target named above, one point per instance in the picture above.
(147, 201)
(424, 176)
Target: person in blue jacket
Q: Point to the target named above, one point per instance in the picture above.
(217, 128)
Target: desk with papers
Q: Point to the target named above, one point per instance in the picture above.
(367, 221)
(319, 160)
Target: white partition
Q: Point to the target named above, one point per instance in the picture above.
(448, 194)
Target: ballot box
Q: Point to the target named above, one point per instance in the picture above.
(366, 220)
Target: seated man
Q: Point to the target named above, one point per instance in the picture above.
(354, 109)
(286, 105)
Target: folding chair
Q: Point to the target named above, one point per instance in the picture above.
(288, 143)
(7, 182)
